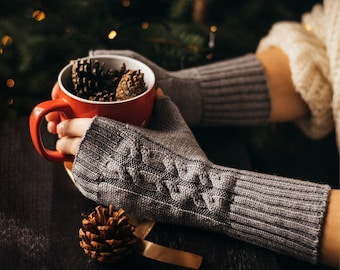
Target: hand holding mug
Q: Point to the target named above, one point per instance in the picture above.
(71, 131)
(66, 105)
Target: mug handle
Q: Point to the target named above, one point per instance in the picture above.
(37, 115)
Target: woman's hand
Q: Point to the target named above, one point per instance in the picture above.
(53, 118)
(71, 131)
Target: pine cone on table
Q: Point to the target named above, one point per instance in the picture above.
(106, 234)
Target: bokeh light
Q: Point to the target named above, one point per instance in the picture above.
(126, 3)
(209, 56)
(10, 101)
(6, 40)
(10, 83)
(39, 15)
(112, 34)
(145, 25)
(213, 28)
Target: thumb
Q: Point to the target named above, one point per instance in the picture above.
(166, 115)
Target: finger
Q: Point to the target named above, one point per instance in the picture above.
(54, 91)
(52, 120)
(68, 145)
(159, 93)
(53, 116)
(75, 127)
(52, 127)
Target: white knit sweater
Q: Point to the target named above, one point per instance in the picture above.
(313, 49)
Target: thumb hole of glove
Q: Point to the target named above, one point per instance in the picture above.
(166, 115)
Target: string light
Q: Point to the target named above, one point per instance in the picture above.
(39, 15)
(10, 83)
(126, 3)
(10, 101)
(209, 56)
(6, 40)
(213, 29)
(1, 50)
(145, 25)
(193, 48)
(112, 34)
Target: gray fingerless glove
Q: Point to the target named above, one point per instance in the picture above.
(230, 92)
(163, 175)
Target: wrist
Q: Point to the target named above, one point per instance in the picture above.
(282, 91)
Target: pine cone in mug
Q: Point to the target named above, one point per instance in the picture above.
(106, 234)
(85, 76)
(92, 82)
(131, 84)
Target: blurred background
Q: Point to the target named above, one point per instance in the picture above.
(39, 37)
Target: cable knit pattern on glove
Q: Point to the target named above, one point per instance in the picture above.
(313, 49)
(163, 175)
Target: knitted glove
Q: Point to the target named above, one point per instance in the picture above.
(163, 175)
(230, 92)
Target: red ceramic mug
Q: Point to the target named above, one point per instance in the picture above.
(136, 110)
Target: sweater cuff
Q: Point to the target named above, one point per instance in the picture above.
(309, 66)
(281, 214)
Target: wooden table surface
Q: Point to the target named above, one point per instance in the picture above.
(40, 213)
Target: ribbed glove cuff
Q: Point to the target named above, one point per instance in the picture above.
(232, 92)
(281, 214)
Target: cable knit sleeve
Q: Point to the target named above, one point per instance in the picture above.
(164, 176)
(306, 47)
